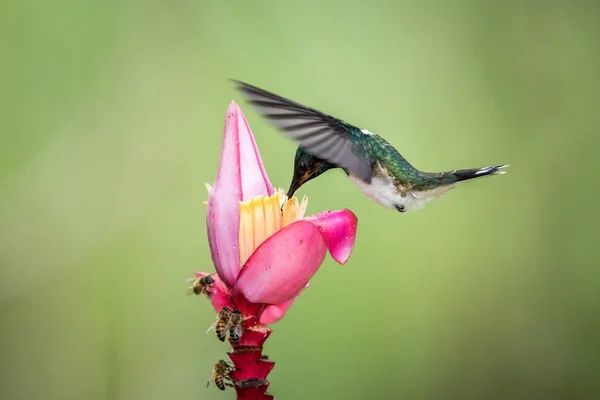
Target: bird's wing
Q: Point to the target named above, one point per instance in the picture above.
(322, 135)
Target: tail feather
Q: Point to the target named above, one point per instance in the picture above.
(436, 185)
(447, 179)
(451, 177)
(466, 174)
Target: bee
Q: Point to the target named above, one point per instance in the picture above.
(201, 285)
(236, 330)
(221, 324)
(220, 374)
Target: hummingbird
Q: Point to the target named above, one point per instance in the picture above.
(374, 165)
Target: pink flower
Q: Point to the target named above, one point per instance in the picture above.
(266, 255)
(264, 250)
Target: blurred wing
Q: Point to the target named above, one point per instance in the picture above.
(213, 326)
(238, 330)
(322, 135)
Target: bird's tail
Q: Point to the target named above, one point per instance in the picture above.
(466, 174)
(435, 185)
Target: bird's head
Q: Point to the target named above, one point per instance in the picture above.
(306, 167)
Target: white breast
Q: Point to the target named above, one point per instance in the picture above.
(383, 191)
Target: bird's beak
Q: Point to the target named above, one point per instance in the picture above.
(297, 181)
(295, 185)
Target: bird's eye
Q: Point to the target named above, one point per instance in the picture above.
(303, 165)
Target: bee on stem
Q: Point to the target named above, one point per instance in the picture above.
(220, 374)
(236, 330)
(228, 321)
(201, 285)
(221, 324)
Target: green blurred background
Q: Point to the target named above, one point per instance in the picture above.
(111, 121)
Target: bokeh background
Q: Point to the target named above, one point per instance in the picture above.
(111, 121)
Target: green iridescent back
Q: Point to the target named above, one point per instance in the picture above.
(376, 149)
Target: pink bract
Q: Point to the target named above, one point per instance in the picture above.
(284, 263)
(241, 176)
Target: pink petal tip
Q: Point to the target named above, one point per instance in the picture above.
(339, 231)
(254, 178)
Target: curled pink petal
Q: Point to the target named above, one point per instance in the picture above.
(241, 175)
(219, 295)
(339, 231)
(274, 312)
(283, 264)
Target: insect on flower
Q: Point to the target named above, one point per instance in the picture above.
(221, 324)
(236, 330)
(201, 285)
(220, 374)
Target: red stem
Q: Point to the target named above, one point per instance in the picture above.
(251, 366)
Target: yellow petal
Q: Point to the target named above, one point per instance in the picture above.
(272, 216)
(263, 216)
(289, 212)
(258, 222)
(302, 208)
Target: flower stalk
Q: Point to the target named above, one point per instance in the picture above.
(250, 367)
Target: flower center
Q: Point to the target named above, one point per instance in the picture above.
(262, 216)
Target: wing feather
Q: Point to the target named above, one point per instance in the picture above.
(322, 135)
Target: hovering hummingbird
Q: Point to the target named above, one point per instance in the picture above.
(373, 164)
